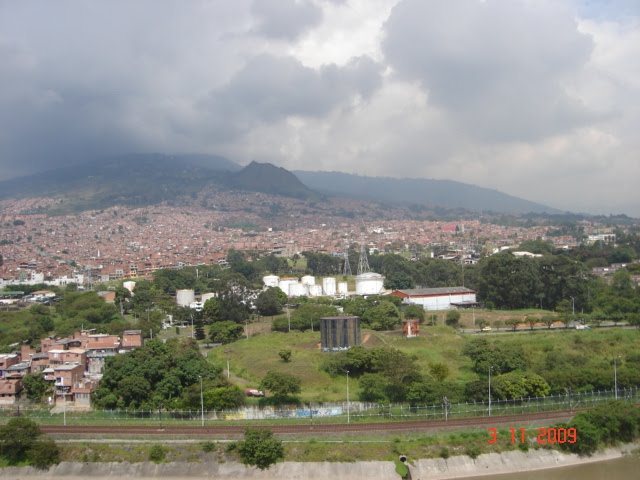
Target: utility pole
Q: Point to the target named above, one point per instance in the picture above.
(201, 402)
(490, 368)
(348, 402)
(615, 377)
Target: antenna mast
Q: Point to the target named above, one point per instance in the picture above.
(346, 269)
(363, 262)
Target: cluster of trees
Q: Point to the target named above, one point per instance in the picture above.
(518, 373)
(399, 271)
(389, 375)
(165, 375)
(21, 441)
(306, 317)
(605, 425)
(375, 312)
(88, 309)
(73, 311)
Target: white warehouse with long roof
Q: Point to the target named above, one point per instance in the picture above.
(438, 298)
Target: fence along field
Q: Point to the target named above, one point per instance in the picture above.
(325, 413)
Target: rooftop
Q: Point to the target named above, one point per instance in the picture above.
(424, 292)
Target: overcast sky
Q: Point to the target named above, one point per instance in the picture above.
(536, 98)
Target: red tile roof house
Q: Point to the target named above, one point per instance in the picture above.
(131, 339)
(10, 388)
(65, 377)
(8, 360)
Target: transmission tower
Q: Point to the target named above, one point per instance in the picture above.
(363, 262)
(346, 270)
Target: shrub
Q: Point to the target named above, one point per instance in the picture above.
(157, 454)
(260, 448)
(444, 453)
(17, 437)
(473, 451)
(208, 447)
(43, 454)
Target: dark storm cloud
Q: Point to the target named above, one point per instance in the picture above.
(271, 88)
(497, 67)
(286, 19)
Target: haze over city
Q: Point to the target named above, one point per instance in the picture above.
(536, 99)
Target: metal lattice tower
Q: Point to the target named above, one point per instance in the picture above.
(346, 269)
(363, 262)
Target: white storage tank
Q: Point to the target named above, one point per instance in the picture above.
(329, 286)
(298, 289)
(308, 280)
(129, 285)
(343, 288)
(270, 280)
(186, 297)
(285, 282)
(369, 283)
(206, 296)
(315, 290)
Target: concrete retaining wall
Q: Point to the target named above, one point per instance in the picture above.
(432, 469)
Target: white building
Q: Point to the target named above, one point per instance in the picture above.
(438, 298)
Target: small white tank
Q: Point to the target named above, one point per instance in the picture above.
(329, 286)
(369, 283)
(315, 290)
(284, 283)
(308, 280)
(271, 280)
(343, 288)
(298, 290)
(206, 296)
(185, 297)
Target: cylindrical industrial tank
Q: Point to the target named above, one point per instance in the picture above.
(369, 283)
(129, 285)
(315, 290)
(207, 296)
(308, 280)
(271, 280)
(329, 286)
(185, 297)
(298, 290)
(343, 288)
(284, 283)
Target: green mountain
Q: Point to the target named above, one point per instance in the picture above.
(148, 179)
(419, 191)
(267, 178)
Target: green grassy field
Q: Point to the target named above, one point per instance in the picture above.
(251, 359)
(306, 449)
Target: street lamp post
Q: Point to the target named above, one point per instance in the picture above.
(573, 306)
(490, 368)
(615, 377)
(348, 402)
(201, 402)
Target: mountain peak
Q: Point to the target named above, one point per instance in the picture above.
(269, 178)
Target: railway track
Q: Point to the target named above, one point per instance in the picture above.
(314, 429)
